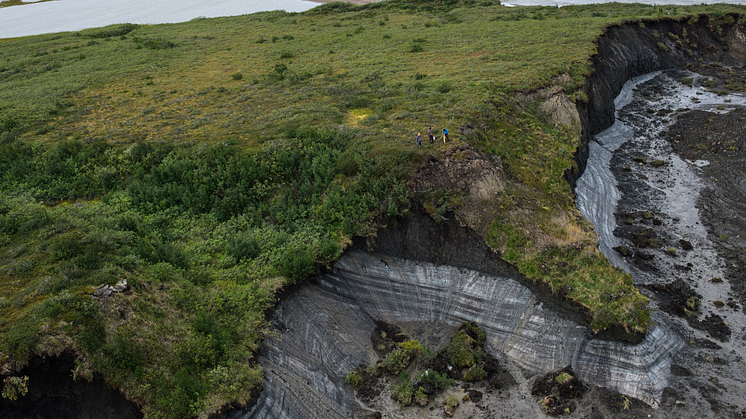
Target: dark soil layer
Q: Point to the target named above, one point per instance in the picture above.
(52, 394)
(421, 238)
(557, 390)
(720, 140)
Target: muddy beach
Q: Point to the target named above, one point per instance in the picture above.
(678, 222)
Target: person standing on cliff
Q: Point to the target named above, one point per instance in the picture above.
(430, 134)
(419, 140)
(445, 135)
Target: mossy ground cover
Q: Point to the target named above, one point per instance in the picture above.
(212, 163)
(8, 3)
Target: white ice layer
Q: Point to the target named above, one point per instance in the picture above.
(326, 329)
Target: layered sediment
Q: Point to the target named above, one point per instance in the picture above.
(665, 182)
(305, 365)
(631, 50)
(430, 278)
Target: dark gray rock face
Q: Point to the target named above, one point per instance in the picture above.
(324, 328)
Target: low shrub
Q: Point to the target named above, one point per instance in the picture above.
(460, 351)
(65, 247)
(438, 382)
(296, 263)
(452, 402)
(563, 377)
(92, 337)
(403, 391)
(354, 378)
(412, 346)
(243, 247)
(125, 353)
(397, 360)
(475, 373)
(13, 387)
(416, 48)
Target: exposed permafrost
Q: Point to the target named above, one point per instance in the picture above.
(597, 191)
(325, 329)
(671, 191)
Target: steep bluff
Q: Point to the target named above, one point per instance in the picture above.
(633, 49)
(431, 277)
(428, 278)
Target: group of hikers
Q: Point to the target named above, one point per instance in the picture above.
(430, 135)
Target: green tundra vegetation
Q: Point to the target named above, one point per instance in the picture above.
(214, 162)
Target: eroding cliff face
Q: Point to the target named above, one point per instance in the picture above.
(631, 50)
(653, 180)
(429, 277)
(324, 331)
(665, 177)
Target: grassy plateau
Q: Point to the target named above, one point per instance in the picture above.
(214, 162)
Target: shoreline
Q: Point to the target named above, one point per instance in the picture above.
(355, 2)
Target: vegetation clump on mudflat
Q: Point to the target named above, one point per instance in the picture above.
(420, 376)
(212, 163)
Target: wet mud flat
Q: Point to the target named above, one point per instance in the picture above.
(720, 139)
(676, 154)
